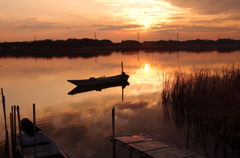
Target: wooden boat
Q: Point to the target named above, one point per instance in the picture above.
(41, 146)
(82, 89)
(101, 80)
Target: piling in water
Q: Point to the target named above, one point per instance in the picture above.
(6, 144)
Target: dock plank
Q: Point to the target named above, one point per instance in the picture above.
(146, 146)
(133, 138)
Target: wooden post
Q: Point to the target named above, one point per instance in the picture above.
(34, 131)
(11, 125)
(187, 133)
(113, 131)
(122, 93)
(14, 130)
(122, 66)
(113, 121)
(5, 121)
(122, 70)
(4, 109)
(114, 150)
(19, 128)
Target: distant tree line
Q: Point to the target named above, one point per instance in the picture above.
(90, 43)
(192, 42)
(56, 44)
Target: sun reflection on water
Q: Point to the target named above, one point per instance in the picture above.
(146, 79)
(146, 67)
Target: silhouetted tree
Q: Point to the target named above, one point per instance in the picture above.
(130, 43)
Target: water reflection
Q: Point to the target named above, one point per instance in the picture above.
(82, 123)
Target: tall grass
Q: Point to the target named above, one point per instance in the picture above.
(205, 103)
(2, 155)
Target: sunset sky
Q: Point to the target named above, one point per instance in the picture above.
(119, 20)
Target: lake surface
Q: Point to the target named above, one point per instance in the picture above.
(82, 122)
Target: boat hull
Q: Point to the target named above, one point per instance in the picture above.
(45, 147)
(100, 81)
(82, 89)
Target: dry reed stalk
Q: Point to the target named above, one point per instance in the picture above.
(201, 99)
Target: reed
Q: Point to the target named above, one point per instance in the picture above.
(1, 149)
(205, 103)
(3, 152)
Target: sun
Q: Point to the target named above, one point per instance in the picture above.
(146, 24)
(146, 68)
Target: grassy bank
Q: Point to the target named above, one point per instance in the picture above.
(206, 105)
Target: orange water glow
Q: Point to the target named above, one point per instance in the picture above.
(44, 82)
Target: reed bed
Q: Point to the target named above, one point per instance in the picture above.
(2, 155)
(206, 104)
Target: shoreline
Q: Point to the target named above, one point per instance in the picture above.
(87, 52)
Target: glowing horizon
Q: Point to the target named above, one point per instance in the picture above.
(119, 20)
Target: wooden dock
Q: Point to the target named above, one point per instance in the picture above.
(145, 146)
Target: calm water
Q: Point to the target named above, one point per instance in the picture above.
(82, 122)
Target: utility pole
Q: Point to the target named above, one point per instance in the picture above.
(177, 36)
(138, 36)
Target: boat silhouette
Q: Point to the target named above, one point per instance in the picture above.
(82, 89)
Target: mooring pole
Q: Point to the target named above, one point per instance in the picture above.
(14, 130)
(11, 123)
(20, 133)
(4, 110)
(122, 93)
(113, 131)
(34, 131)
(122, 66)
(122, 70)
(5, 121)
(113, 121)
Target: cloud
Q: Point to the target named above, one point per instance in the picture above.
(189, 31)
(208, 29)
(226, 19)
(37, 23)
(69, 136)
(216, 20)
(33, 23)
(208, 6)
(2, 16)
(232, 17)
(116, 27)
(38, 26)
(82, 17)
(133, 106)
(177, 18)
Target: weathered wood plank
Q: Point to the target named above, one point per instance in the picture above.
(133, 138)
(150, 145)
(142, 144)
